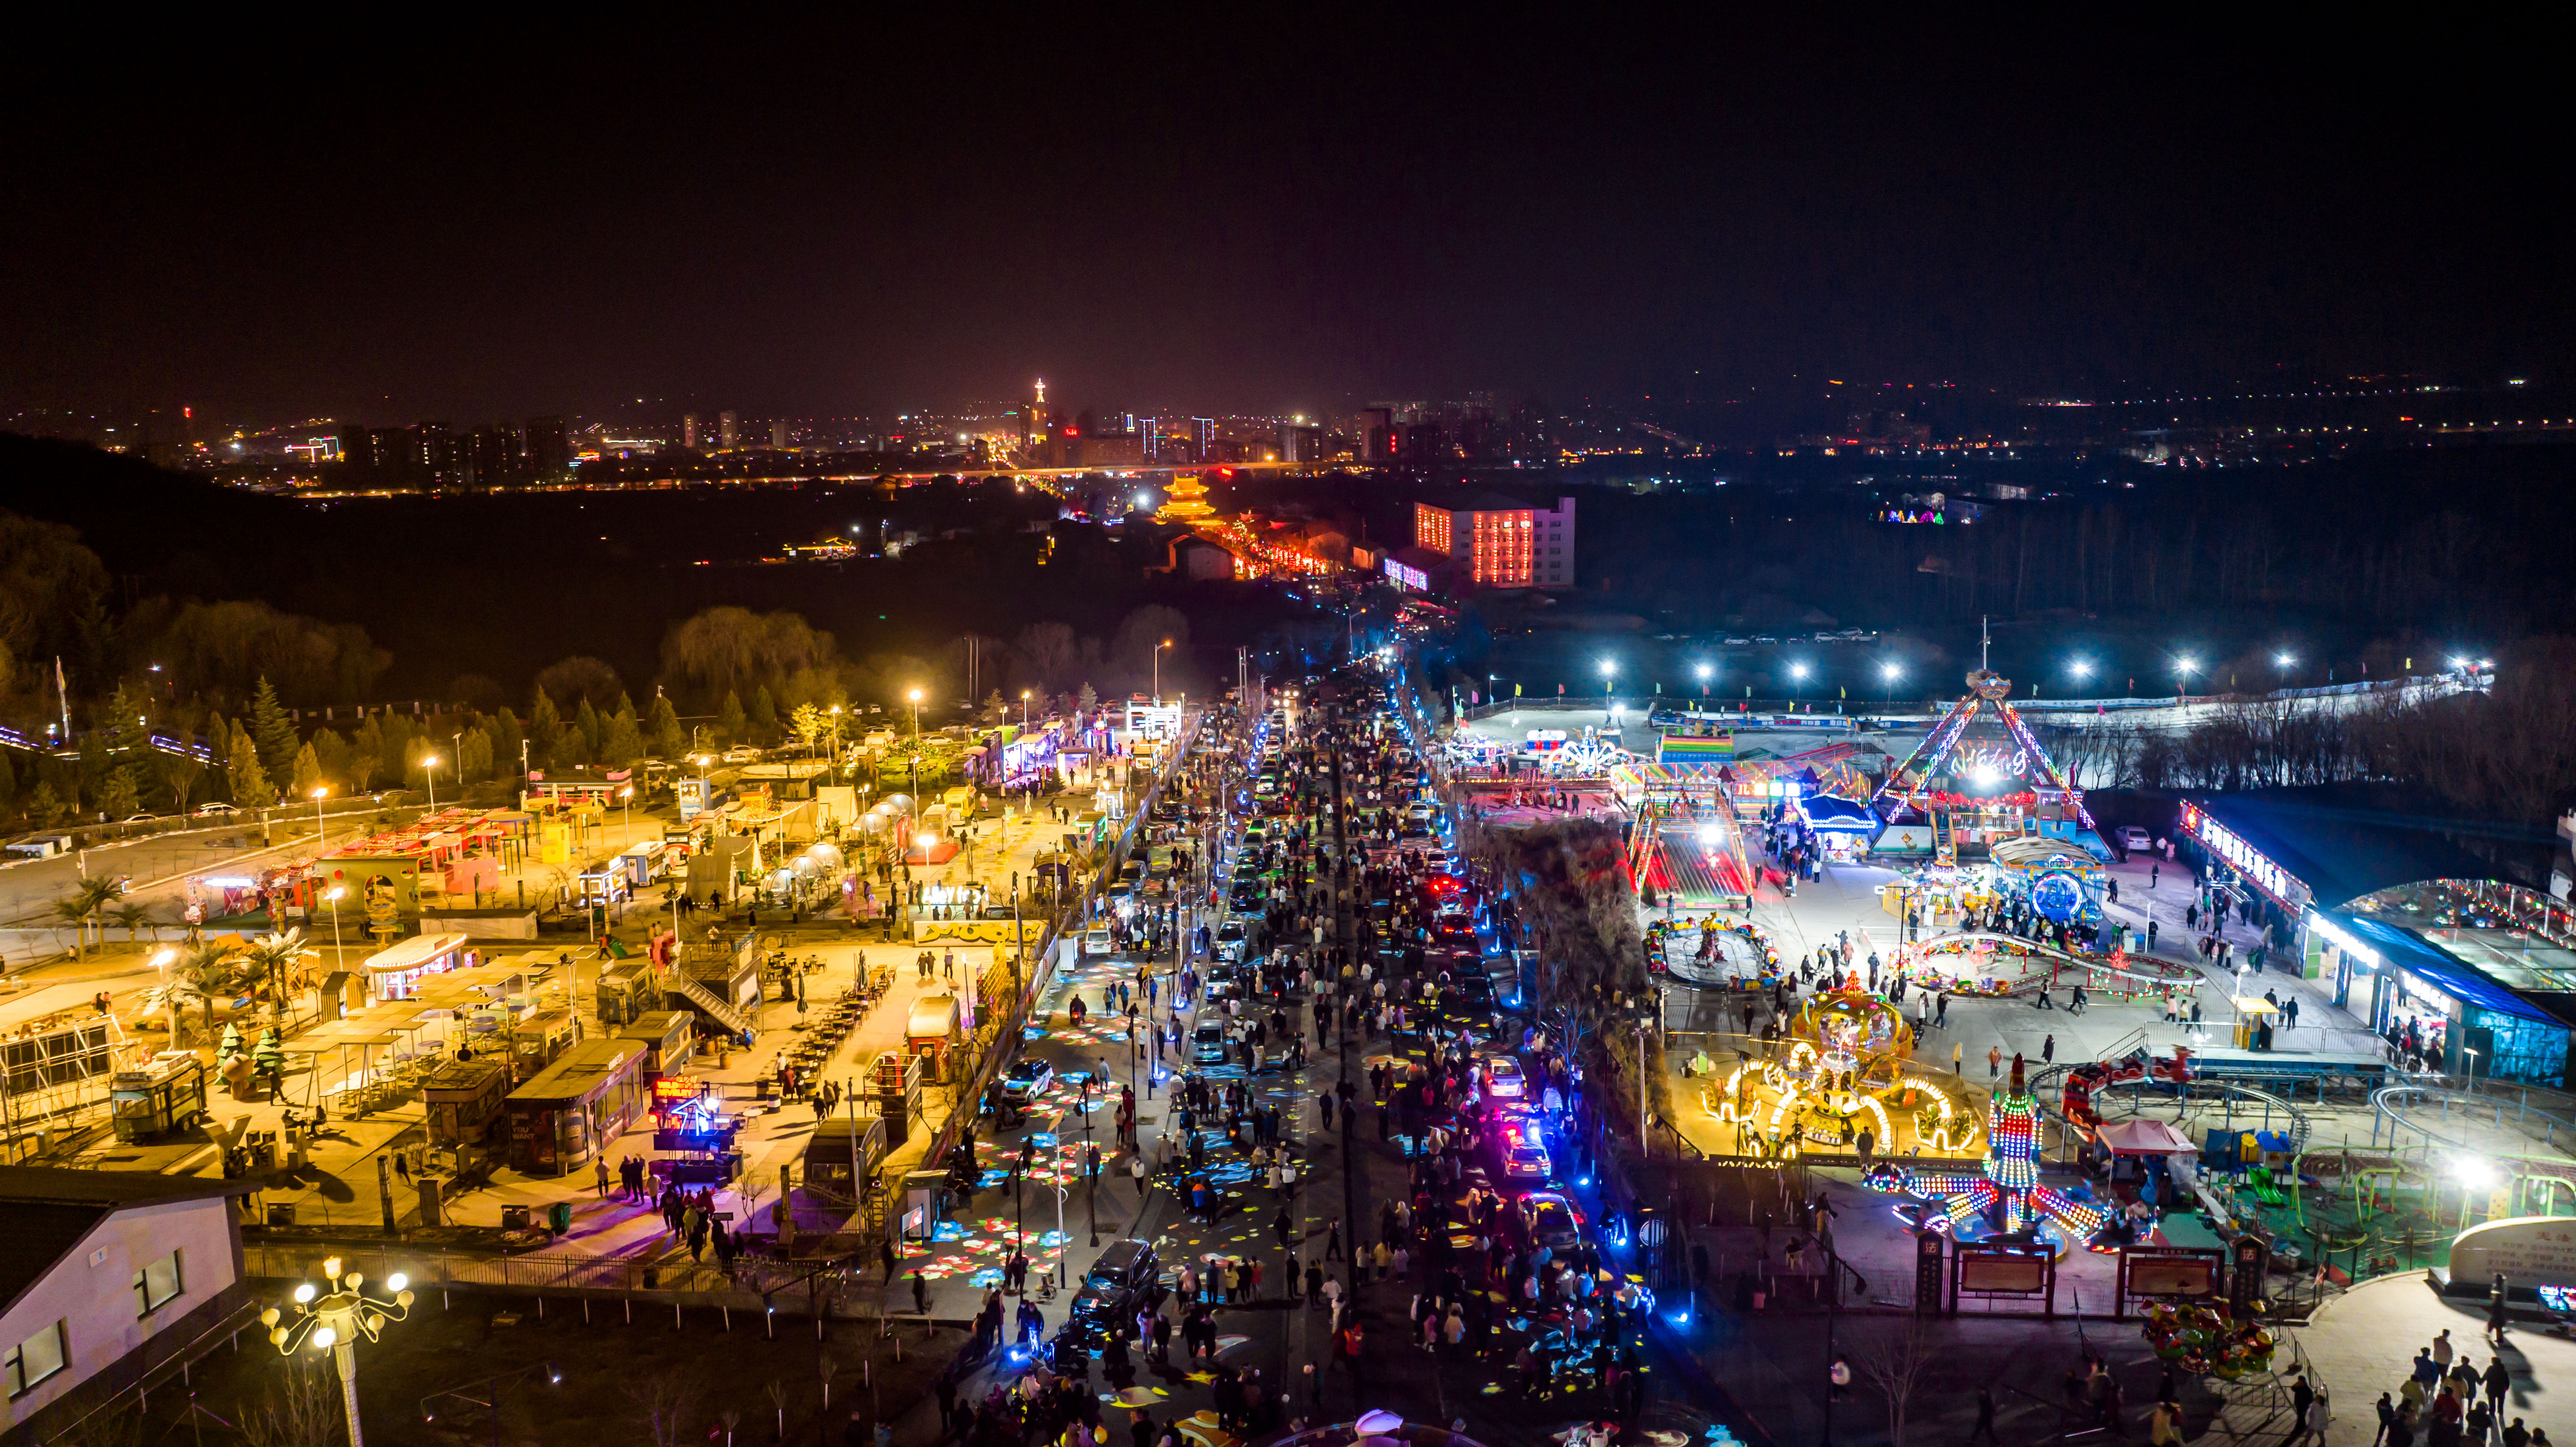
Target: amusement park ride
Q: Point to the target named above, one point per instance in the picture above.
(2005, 1200)
(1954, 779)
(1844, 1067)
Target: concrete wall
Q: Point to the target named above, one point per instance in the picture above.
(91, 1292)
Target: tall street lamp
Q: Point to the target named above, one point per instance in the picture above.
(915, 697)
(321, 829)
(1609, 676)
(1797, 684)
(429, 776)
(1158, 670)
(836, 744)
(169, 1002)
(1889, 673)
(332, 897)
(2184, 668)
(331, 1318)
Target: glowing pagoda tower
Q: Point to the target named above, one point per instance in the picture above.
(1186, 501)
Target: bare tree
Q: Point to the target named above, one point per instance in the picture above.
(1896, 1361)
(301, 1410)
(664, 1404)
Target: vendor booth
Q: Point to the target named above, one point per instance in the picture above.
(395, 973)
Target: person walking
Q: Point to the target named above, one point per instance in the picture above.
(1985, 1418)
(1994, 1061)
(2047, 1049)
(599, 1171)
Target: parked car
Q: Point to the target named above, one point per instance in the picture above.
(2135, 839)
(218, 810)
(1095, 940)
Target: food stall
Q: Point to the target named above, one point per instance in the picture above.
(537, 1040)
(166, 1093)
(669, 1038)
(464, 1097)
(394, 973)
(842, 1155)
(563, 1116)
(930, 1033)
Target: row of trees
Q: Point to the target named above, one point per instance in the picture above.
(2507, 754)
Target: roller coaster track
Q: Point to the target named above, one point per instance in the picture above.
(2301, 1128)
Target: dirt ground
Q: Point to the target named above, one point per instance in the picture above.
(430, 1379)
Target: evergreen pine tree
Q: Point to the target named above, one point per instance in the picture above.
(1088, 700)
(729, 719)
(367, 756)
(505, 742)
(544, 723)
(250, 785)
(120, 794)
(662, 732)
(331, 753)
(45, 806)
(273, 733)
(307, 775)
(585, 723)
(621, 740)
(764, 714)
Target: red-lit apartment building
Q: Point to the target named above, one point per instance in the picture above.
(1496, 542)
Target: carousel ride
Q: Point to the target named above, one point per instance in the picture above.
(1845, 1068)
(2004, 1201)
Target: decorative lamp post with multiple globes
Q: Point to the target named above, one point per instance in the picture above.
(331, 1317)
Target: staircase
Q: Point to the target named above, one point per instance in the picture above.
(675, 983)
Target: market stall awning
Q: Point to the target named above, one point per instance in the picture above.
(2145, 1138)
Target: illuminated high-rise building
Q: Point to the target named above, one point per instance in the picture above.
(1202, 438)
(1500, 542)
(728, 428)
(689, 430)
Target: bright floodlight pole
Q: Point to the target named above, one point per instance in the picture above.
(1797, 684)
(429, 776)
(333, 1321)
(332, 897)
(2184, 668)
(169, 1003)
(915, 698)
(321, 829)
(1158, 671)
(1889, 672)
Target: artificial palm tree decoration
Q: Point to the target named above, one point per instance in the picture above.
(207, 972)
(133, 917)
(268, 959)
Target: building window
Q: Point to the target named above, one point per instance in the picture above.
(157, 1285)
(36, 1358)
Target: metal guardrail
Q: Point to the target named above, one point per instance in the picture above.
(2389, 1101)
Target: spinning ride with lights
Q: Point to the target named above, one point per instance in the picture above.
(2006, 1200)
(1844, 1069)
(1980, 785)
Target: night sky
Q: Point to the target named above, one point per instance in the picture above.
(1299, 211)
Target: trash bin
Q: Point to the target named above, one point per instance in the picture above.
(514, 1218)
(559, 1218)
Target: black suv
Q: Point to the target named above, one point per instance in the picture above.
(1124, 1281)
